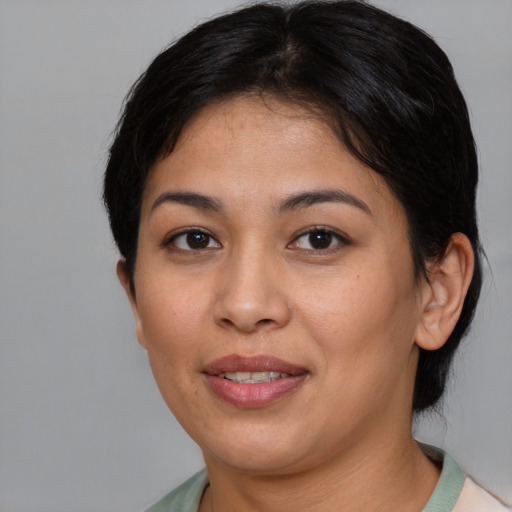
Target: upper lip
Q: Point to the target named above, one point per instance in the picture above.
(261, 363)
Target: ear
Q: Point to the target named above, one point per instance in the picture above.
(444, 293)
(126, 282)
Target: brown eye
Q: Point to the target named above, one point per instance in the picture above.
(320, 239)
(193, 240)
(198, 240)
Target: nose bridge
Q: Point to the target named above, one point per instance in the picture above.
(250, 295)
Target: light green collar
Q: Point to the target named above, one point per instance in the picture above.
(186, 498)
(449, 486)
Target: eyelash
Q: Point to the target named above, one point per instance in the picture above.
(332, 238)
(170, 242)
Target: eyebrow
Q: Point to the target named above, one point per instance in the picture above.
(306, 199)
(293, 202)
(199, 201)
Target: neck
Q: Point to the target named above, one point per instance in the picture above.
(390, 476)
(378, 466)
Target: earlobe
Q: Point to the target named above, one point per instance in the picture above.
(124, 279)
(444, 293)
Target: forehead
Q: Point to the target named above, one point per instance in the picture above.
(261, 149)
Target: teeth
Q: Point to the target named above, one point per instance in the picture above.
(252, 377)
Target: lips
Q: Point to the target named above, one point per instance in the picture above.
(253, 377)
(251, 382)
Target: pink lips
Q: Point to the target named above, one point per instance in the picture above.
(255, 394)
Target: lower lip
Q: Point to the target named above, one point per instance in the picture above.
(253, 395)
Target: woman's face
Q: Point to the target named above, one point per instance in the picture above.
(275, 291)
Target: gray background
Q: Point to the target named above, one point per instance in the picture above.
(82, 426)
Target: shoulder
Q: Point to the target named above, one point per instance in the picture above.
(184, 498)
(457, 492)
(474, 498)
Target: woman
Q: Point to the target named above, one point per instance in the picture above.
(292, 190)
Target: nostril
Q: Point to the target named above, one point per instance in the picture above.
(246, 326)
(250, 313)
(227, 322)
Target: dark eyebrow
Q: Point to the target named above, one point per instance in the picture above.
(305, 199)
(199, 201)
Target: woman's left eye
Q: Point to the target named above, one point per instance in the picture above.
(193, 240)
(317, 240)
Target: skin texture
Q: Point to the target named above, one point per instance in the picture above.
(350, 315)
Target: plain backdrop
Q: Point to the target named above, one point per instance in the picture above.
(82, 425)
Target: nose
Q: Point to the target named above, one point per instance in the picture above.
(250, 296)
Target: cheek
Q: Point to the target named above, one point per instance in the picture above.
(362, 312)
(172, 320)
(178, 304)
(364, 333)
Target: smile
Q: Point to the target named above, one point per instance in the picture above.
(253, 377)
(253, 382)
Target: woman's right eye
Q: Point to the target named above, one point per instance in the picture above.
(193, 240)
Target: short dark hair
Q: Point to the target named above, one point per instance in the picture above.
(386, 88)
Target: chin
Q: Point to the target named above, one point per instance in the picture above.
(271, 460)
(264, 450)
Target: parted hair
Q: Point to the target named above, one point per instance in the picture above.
(383, 85)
